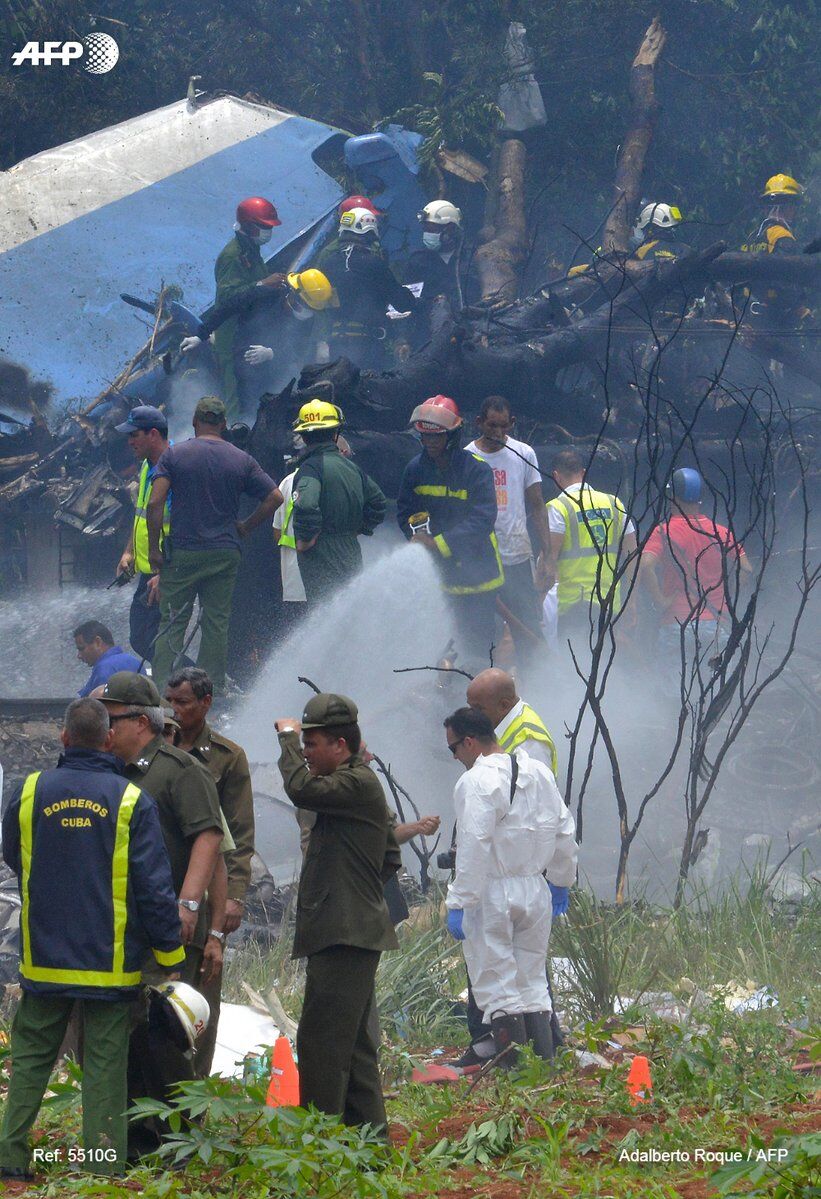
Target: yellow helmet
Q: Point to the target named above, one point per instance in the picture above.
(314, 288)
(778, 187)
(318, 414)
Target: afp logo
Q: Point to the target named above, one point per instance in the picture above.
(100, 50)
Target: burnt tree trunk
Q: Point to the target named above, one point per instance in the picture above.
(636, 142)
(503, 240)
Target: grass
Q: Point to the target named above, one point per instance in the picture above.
(722, 1082)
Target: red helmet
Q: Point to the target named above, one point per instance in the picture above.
(359, 202)
(257, 211)
(436, 415)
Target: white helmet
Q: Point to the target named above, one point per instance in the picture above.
(190, 1009)
(358, 220)
(663, 216)
(441, 212)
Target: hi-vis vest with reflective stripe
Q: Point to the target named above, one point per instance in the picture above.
(593, 527)
(528, 726)
(116, 976)
(141, 563)
(286, 536)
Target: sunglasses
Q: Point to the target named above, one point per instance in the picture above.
(125, 716)
(454, 745)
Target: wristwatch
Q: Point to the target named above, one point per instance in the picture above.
(191, 904)
(212, 932)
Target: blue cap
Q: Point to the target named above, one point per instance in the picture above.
(142, 418)
(685, 485)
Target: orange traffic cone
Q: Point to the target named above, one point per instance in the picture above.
(283, 1089)
(639, 1082)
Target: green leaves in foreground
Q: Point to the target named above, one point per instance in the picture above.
(781, 1169)
(219, 1123)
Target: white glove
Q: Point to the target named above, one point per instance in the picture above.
(256, 355)
(190, 343)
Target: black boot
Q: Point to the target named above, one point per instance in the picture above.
(540, 1035)
(508, 1030)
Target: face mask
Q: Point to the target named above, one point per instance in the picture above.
(263, 236)
(431, 241)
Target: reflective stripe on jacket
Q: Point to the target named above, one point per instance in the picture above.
(94, 877)
(593, 527)
(529, 726)
(141, 563)
(461, 504)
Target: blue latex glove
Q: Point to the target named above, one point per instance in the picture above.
(561, 899)
(455, 918)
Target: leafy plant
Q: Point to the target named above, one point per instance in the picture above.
(785, 1168)
(480, 1144)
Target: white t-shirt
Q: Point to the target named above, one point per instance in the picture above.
(293, 590)
(555, 516)
(512, 477)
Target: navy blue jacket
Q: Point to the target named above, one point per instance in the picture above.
(461, 502)
(95, 879)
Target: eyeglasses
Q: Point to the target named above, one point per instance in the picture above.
(125, 716)
(454, 745)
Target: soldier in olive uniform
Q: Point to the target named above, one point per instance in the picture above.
(190, 691)
(192, 828)
(342, 921)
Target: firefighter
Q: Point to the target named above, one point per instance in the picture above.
(239, 266)
(447, 504)
(365, 287)
(783, 307)
(332, 502)
(97, 891)
(436, 266)
(270, 315)
(656, 234)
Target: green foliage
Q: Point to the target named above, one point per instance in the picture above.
(480, 1144)
(274, 1151)
(462, 117)
(784, 1168)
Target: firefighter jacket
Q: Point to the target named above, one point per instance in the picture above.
(594, 524)
(773, 236)
(94, 877)
(661, 249)
(365, 286)
(461, 504)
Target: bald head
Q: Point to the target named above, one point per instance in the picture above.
(494, 693)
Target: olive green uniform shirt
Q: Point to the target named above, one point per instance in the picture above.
(187, 803)
(228, 766)
(350, 854)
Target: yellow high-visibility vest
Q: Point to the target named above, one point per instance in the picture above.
(141, 563)
(593, 526)
(286, 536)
(529, 726)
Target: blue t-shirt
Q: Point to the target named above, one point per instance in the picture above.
(113, 659)
(209, 477)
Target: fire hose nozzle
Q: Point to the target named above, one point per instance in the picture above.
(419, 523)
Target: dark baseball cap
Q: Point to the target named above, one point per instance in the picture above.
(326, 710)
(128, 687)
(143, 417)
(210, 406)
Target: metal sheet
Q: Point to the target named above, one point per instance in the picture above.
(146, 202)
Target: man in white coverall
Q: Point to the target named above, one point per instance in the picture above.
(513, 833)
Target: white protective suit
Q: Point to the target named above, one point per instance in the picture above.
(503, 849)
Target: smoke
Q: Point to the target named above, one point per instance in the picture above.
(39, 658)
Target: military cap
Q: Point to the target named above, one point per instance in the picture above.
(326, 710)
(144, 417)
(209, 406)
(128, 687)
(169, 717)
